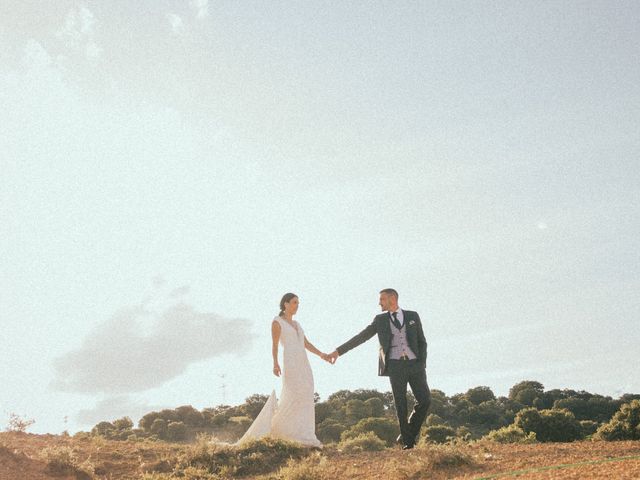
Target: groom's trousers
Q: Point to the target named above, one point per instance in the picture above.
(411, 372)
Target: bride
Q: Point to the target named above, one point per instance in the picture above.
(293, 418)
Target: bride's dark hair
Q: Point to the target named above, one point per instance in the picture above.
(286, 298)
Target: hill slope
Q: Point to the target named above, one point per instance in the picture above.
(28, 457)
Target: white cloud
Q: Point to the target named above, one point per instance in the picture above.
(201, 8)
(138, 349)
(92, 50)
(35, 56)
(177, 25)
(180, 291)
(78, 32)
(114, 407)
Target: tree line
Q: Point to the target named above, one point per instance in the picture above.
(529, 413)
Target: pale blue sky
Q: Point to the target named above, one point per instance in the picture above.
(169, 169)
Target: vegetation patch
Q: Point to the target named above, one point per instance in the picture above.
(252, 458)
(511, 434)
(311, 468)
(625, 424)
(64, 461)
(430, 459)
(365, 442)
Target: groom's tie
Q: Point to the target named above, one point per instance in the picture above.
(395, 321)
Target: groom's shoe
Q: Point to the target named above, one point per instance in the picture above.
(408, 446)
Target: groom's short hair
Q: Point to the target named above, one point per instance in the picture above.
(390, 291)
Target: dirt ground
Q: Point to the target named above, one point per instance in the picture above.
(20, 459)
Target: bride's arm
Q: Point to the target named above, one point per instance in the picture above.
(275, 337)
(309, 346)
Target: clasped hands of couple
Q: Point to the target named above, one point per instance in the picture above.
(327, 357)
(330, 357)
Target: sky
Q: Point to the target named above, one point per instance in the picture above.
(169, 169)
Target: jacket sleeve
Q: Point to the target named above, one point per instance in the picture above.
(422, 341)
(359, 339)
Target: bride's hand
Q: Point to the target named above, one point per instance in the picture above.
(276, 370)
(325, 357)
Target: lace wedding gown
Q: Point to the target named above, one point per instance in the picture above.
(293, 418)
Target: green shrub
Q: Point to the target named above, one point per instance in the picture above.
(434, 419)
(551, 425)
(588, 427)
(439, 433)
(385, 429)
(376, 406)
(330, 431)
(176, 431)
(625, 424)
(365, 442)
(479, 395)
(357, 410)
(159, 427)
(511, 434)
(103, 429)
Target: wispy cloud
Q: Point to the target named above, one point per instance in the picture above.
(114, 407)
(201, 8)
(138, 349)
(78, 32)
(177, 25)
(35, 56)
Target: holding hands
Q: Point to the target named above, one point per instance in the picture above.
(330, 357)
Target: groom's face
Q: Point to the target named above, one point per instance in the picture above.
(385, 301)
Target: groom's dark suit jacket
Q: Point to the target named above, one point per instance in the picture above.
(381, 326)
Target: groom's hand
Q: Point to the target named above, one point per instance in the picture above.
(333, 356)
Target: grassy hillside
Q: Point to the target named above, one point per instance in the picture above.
(47, 457)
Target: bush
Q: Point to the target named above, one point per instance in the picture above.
(330, 431)
(376, 407)
(103, 429)
(159, 427)
(588, 427)
(479, 395)
(63, 461)
(255, 457)
(385, 429)
(431, 461)
(365, 442)
(434, 419)
(357, 410)
(511, 434)
(310, 468)
(625, 424)
(176, 431)
(439, 433)
(551, 425)
(18, 423)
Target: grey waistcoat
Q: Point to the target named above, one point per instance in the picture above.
(399, 344)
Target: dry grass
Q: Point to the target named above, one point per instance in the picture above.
(22, 457)
(313, 467)
(63, 460)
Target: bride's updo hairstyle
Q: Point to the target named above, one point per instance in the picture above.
(286, 298)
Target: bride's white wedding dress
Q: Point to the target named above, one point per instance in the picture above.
(293, 418)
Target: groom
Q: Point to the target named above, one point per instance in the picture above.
(403, 358)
